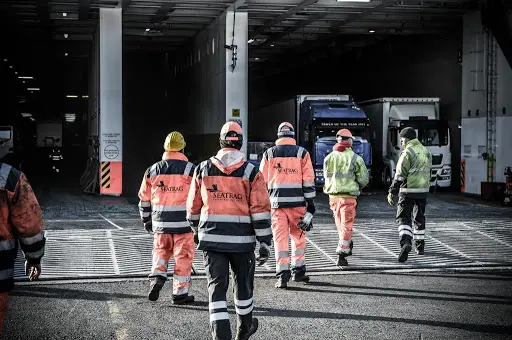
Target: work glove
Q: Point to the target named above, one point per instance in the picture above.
(194, 226)
(264, 254)
(391, 199)
(148, 226)
(32, 270)
(305, 223)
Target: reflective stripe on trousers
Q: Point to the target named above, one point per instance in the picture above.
(181, 246)
(284, 226)
(344, 212)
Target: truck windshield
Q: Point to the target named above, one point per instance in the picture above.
(5, 133)
(433, 136)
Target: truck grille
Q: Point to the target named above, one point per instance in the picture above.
(437, 159)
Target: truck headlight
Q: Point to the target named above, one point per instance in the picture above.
(446, 172)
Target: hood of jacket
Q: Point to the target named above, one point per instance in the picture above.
(228, 160)
(342, 146)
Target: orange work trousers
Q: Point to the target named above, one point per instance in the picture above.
(3, 308)
(182, 247)
(344, 211)
(284, 226)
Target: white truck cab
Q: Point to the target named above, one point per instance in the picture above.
(388, 116)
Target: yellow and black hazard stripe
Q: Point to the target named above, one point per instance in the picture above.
(105, 175)
(463, 175)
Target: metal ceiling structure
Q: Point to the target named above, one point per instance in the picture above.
(275, 26)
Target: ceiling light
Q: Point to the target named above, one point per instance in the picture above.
(256, 58)
(5, 60)
(20, 77)
(85, 96)
(371, 31)
(148, 29)
(10, 66)
(250, 41)
(33, 89)
(70, 117)
(71, 96)
(64, 14)
(15, 72)
(32, 119)
(272, 45)
(66, 35)
(66, 54)
(26, 115)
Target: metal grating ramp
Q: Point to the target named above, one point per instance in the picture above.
(113, 253)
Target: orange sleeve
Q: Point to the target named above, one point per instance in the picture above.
(308, 178)
(194, 199)
(145, 198)
(26, 220)
(259, 206)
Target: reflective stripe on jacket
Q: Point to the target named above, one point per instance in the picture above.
(163, 194)
(412, 177)
(289, 174)
(230, 204)
(345, 174)
(20, 220)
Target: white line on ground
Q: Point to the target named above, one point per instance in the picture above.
(117, 320)
(321, 250)
(488, 236)
(70, 221)
(113, 252)
(452, 249)
(376, 243)
(109, 221)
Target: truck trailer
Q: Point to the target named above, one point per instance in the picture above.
(316, 119)
(390, 115)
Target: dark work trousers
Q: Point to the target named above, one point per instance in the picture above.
(409, 211)
(217, 271)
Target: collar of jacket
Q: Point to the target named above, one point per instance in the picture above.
(340, 147)
(286, 141)
(228, 160)
(412, 142)
(169, 155)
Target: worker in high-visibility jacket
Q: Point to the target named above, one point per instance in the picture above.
(229, 209)
(412, 184)
(345, 175)
(290, 179)
(20, 222)
(163, 197)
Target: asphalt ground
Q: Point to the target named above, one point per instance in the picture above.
(425, 305)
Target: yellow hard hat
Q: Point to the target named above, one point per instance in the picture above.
(174, 142)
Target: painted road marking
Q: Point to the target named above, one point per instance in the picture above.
(488, 236)
(452, 249)
(109, 221)
(117, 320)
(376, 243)
(321, 250)
(113, 252)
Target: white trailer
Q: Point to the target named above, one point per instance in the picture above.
(389, 115)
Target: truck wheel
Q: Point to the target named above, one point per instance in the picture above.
(387, 177)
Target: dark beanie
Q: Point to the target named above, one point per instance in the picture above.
(408, 133)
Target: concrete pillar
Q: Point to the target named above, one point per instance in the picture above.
(110, 100)
(237, 79)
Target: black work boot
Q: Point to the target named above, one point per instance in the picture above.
(404, 252)
(300, 277)
(182, 299)
(420, 247)
(252, 330)
(154, 289)
(342, 260)
(282, 279)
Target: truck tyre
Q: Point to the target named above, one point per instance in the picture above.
(387, 177)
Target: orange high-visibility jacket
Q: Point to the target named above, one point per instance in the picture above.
(231, 206)
(289, 174)
(163, 194)
(20, 220)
